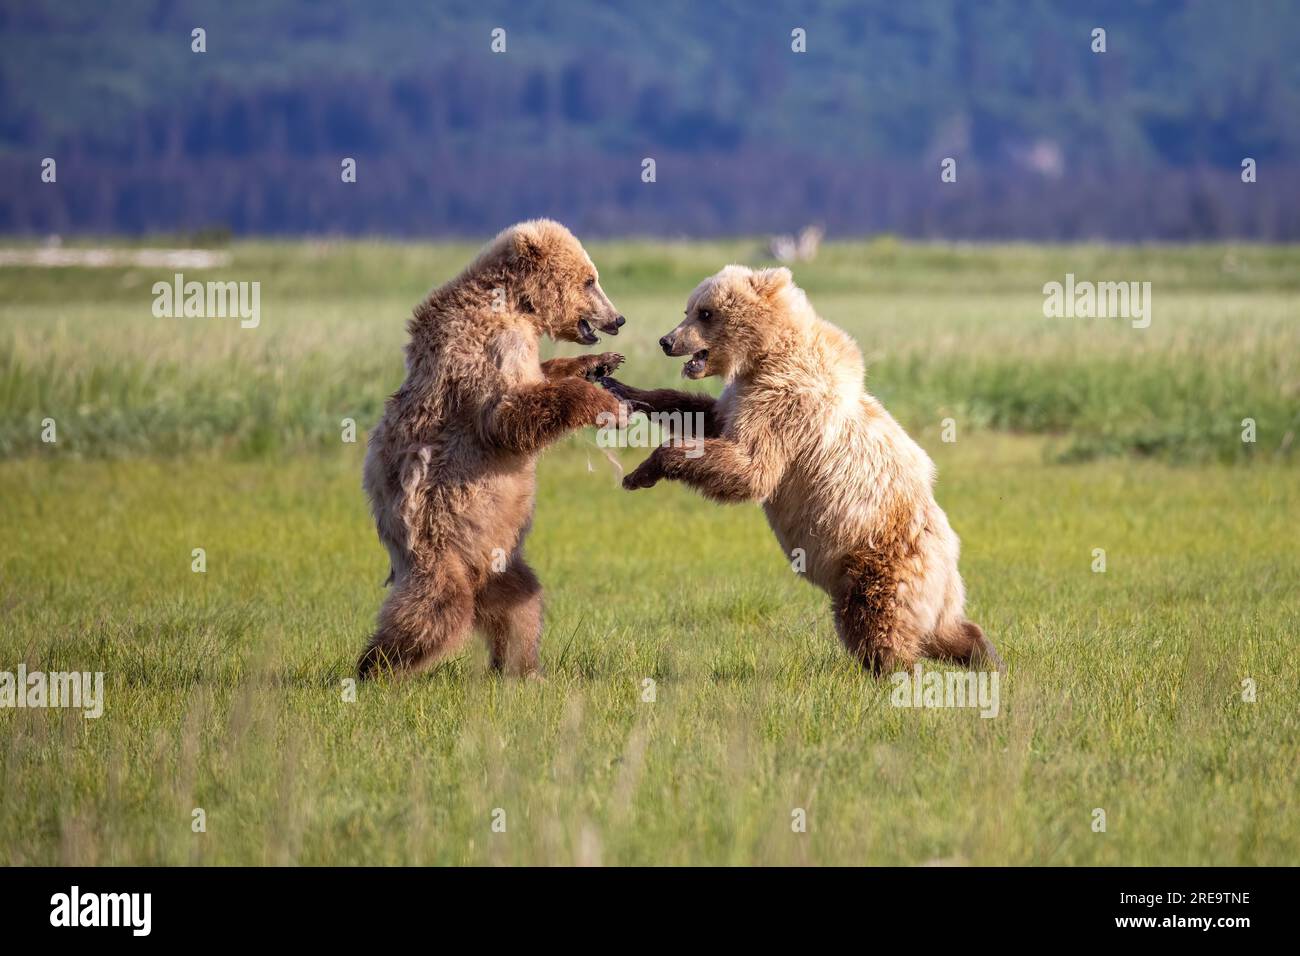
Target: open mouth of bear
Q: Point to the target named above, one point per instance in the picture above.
(585, 334)
(695, 367)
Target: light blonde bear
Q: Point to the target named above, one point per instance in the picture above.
(837, 476)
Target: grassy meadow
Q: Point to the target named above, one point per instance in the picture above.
(225, 689)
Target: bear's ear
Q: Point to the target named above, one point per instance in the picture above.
(769, 283)
(526, 244)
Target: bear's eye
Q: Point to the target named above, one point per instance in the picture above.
(705, 314)
(591, 281)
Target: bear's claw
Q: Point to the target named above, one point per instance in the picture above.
(624, 394)
(602, 365)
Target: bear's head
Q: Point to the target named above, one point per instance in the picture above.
(553, 278)
(731, 317)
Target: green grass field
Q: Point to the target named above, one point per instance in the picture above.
(225, 689)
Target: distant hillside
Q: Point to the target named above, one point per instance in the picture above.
(1051, 139)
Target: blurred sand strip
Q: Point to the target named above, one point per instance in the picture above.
(55, 257)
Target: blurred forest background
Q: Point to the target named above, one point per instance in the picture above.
(1052, 140)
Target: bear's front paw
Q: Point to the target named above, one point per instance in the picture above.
(615, 387)
(609, 412)
(646, 475)
(599, 366)
(639, 479)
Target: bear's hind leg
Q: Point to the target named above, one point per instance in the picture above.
(508, 610)
(965, 642)
(426, 618)
(867, 617)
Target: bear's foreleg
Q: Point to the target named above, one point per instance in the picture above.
(719, 469)
(668, 402)
(425, 619)
(508, 611)
(530, 418)
(590, 367)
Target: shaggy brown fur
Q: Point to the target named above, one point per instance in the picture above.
(450, 467)
(837, 476)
